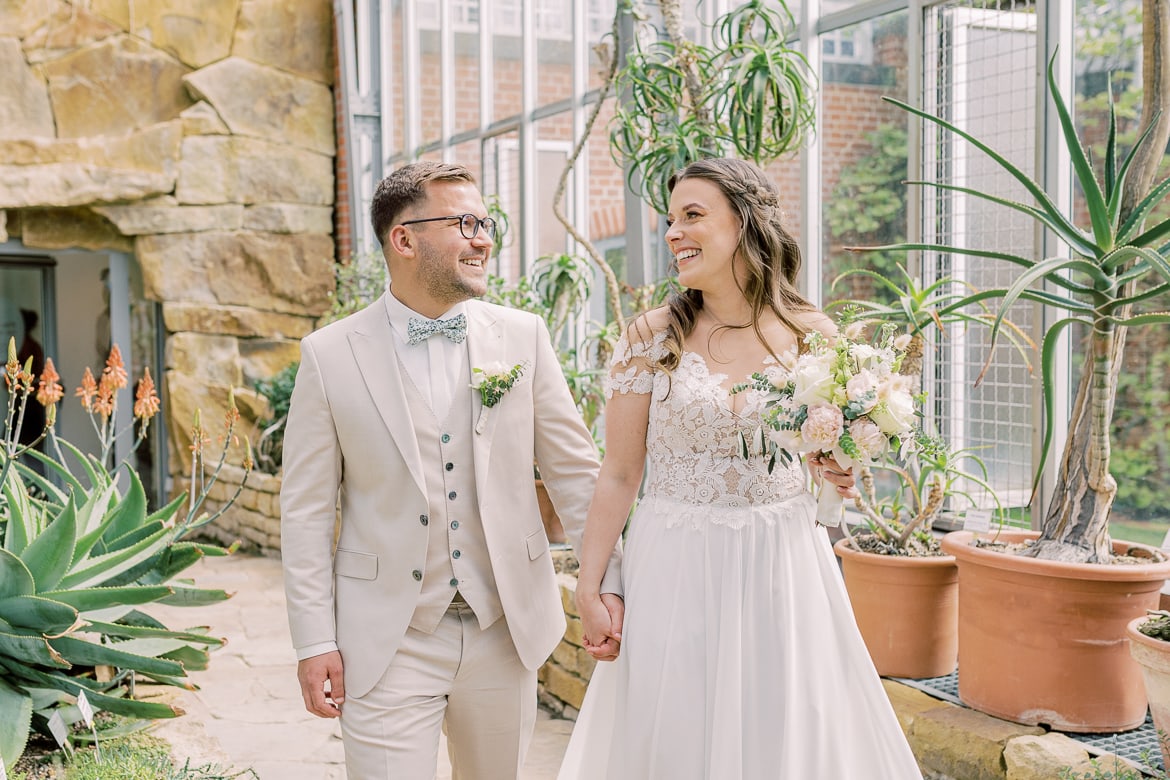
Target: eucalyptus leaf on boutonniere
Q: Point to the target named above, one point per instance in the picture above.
(493, 381)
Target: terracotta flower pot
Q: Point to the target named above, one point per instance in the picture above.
(906, 608)
(1044, 642)
(1154, 657)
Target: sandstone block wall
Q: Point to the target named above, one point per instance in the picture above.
(198, 136)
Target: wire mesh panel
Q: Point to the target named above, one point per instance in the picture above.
(980, 74)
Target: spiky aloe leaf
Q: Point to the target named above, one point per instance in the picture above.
(197, 635)
(81, 652)
(22, 515)
(101, 568)
(15, 578)
(17, 707)
(48, 555)
(128, 516)
(29, 647)
(195, 597)
(44, 615)
(91, 599)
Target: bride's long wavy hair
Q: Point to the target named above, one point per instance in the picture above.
(771, 256)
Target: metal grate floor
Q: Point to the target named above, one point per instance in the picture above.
(1139, 745)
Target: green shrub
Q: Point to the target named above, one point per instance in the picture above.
(278, 390)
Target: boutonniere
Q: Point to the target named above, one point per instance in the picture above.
(492, 382)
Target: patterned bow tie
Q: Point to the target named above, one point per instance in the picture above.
(419, 330)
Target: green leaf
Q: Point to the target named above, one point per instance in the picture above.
(102, 568)
(22, 517)
(130, 632)
(82, 652)
(30, 647)
(90, 599)
(194, 597)
(50, 553)
(15, 578)
(16, 706)
(36, 612)
(129, 515)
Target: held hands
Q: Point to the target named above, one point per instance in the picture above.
(322, 684)
(826, 469)
(601, 619)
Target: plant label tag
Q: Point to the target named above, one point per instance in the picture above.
(1166, 541)
(3, 771)
(86, 709)
(977, 520)
(58, 730)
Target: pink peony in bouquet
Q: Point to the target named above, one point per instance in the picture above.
(845, 399)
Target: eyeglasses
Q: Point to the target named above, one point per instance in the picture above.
(469, 224)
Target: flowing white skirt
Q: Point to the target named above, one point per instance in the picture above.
(740, 658)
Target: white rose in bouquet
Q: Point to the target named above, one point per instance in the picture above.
(894, 413)
(813, 380)
(862, 389)
(868, 437)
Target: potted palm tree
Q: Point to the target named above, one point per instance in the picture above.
(1025, 597)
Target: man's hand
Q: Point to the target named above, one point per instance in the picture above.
(322, 684)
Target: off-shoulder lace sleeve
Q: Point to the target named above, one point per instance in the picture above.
(633, 365)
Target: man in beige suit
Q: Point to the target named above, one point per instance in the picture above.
(439, 602)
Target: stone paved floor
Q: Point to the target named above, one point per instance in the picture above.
(248, 712)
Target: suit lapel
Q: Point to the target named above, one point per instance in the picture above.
(374, 351)
(485, 337)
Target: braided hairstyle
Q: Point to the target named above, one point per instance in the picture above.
(770, 255)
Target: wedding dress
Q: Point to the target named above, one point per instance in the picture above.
(740, 657)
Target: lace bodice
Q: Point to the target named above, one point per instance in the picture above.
(693, 440)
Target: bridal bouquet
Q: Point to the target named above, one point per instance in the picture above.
(846, 399)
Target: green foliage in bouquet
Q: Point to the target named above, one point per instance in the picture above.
(81, 555)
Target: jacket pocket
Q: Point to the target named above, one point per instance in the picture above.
(359, 565)
(537, 544)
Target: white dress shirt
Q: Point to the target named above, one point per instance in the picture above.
(434, 364)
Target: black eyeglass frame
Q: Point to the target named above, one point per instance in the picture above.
(487, 223)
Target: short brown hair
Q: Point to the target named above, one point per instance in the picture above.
(406, 187)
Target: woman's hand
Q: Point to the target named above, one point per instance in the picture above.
(601, 622)
(827, 469)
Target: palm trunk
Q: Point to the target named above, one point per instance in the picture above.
(1076, 527)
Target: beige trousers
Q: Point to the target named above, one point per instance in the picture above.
(460, 679)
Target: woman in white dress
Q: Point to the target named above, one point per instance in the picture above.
(739, 655)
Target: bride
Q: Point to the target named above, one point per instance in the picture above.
(739, 655)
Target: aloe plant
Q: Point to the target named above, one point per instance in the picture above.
(81, 558)
(1116, 263)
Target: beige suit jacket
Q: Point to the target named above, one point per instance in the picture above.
(349, 443)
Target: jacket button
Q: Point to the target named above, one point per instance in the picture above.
(451, 495)
(454, 583)
(423, 519)
(446, 437)
(454, 525)
(449, 466)
(416, 574)
(456, 554)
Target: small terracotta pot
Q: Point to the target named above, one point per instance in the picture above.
(1044, 642)
(906, 608)
(1154, 657)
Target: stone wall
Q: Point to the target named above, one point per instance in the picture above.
(254, 519)
(198, 136)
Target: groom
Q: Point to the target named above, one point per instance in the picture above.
(439, 601)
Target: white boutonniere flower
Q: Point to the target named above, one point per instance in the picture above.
(493, 381)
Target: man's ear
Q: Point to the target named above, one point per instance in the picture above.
(401, 240)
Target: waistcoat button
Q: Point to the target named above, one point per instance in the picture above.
(416, 574)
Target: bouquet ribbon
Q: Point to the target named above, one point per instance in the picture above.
(830, 505)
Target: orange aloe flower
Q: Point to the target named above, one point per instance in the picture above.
(146, 402)
(50, 391)
(87, 391)
(106, 396)
(115, 368)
